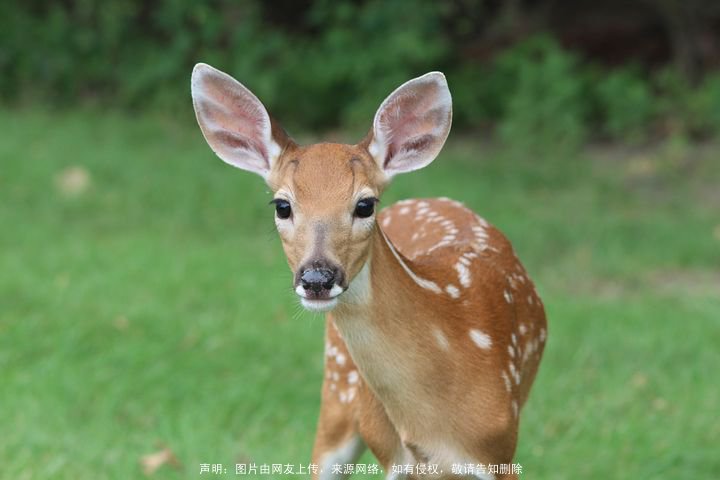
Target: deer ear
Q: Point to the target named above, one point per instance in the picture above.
(234, 122)
(411, 125)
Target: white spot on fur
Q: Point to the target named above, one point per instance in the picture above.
(508, 385)
(480, 246)
(386, 221)
(481, 238)
(515, 374)
(523, 329)
(482, 221)
(340, 359)
(481, 339)
(525, 356)
(353, 377)
(463, 274)
(508, 296)
(530, 300)
(543, 335)
(404, 210)
(511, 350)
(452, 290)
(481, 235)
(441, 339)
(515, 408)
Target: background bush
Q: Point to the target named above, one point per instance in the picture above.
(520, 67)
(626, 105)
(545, 101)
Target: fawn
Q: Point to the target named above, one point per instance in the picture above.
(434, 332)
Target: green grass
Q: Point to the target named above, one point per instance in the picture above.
(153, 308)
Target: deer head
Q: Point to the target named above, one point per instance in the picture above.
(324, 194)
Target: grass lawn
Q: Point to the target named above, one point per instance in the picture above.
(145, 303)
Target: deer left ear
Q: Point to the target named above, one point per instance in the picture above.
(411, 125)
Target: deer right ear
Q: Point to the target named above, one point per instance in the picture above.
(234, 122)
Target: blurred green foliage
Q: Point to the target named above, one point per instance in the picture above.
(690, 111)
(545, 103)
(625, 103)
(321, 64)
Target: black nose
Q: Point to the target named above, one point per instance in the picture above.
(318, 279)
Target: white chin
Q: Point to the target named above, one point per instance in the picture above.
(319, 305)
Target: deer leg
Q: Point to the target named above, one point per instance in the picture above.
(336, 444)
(337, 441)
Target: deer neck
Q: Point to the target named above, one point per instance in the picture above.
(381, 321)
(384, 288)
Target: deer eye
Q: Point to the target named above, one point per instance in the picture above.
(282, 208)
(365, 207)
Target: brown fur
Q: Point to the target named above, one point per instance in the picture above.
(411, 392)
(325, 180)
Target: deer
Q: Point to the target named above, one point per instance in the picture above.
(433, 329)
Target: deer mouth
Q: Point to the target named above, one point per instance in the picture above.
(324, 305)
(319, 300)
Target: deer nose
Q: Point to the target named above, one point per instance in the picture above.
(317, 279)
